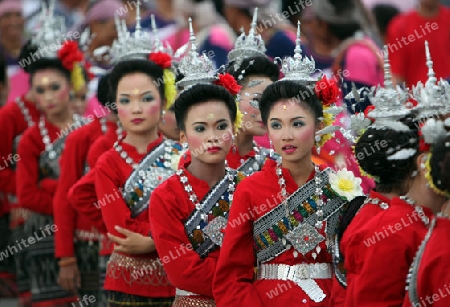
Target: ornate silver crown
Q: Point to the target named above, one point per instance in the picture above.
(433, 96)
(389, 102)
(197, 69)
(48, 37)
(127, 46)
(247, 46)
(299, 68)
(157, 45)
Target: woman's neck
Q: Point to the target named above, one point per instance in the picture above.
(141, 140)
(210, 173)
(425, 196)
(61, 120)
(244, 143)
(300, 170)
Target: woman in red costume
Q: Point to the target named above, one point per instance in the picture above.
(385, 151)
(16, 117)
(126, 176)
(379, 274)
(287, 228)
(82, 275)
(52, 77)
(429, 276)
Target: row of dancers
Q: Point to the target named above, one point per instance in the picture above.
(169, 201)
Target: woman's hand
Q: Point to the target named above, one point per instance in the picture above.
(69, 277)
(133, 243)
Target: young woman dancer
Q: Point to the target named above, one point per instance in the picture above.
(126, 176)
(385, 151)
(288, 226)
(16, 117)
(80, 275)
(429, 276)
(189, 210)
(52, 78)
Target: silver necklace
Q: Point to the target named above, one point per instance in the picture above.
(193, 197)
(25, 112)
(124, 155)
(418, 209)
(318, 193)
(46, 138)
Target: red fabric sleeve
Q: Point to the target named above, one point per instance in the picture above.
(33, 194)
(83, 199)
(72, 165)
(8, 131)
(397, 57)
(233, 281)
(115, 211)
(187, 271)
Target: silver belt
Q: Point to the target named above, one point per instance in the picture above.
(180, 292)
(301, 274)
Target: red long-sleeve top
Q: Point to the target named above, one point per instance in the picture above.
(234, 283)
(433, 276)
(82, 196)
(352, 259)
(73, 163)
(13, 124)
(388, 244)
(111, 173)
(34, 193)
(170, 208)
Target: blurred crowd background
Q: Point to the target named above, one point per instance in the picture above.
(327, 27)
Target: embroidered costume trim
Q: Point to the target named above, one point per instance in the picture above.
(411, 281)
(298, 227)
(206, 234)
(255, 163)
(151, 172)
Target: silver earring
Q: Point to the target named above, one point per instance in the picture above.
(233, 140)
(163, 121)
(271, 150)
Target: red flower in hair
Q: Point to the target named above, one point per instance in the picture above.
(69, 54)
(368, 110)
(161, 59)
(327, 91)
(229, 83)
(423, 147)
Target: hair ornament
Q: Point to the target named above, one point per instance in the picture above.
(247, 46)
(430, 181)
(431, 97)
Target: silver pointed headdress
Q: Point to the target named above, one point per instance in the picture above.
(299, 68)
(48, 37)
(127, 46)
(433, 96)
(197, 69)
(247, 46)
(157, 45)
(389, 102)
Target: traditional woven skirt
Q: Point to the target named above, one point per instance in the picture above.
(118, 299)
(42, 264)
(8, 287)
(103, 294)
(188, 301)
(87, 260)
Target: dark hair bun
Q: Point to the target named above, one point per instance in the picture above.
(260, 66)
(387, 154)
(440, 163)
